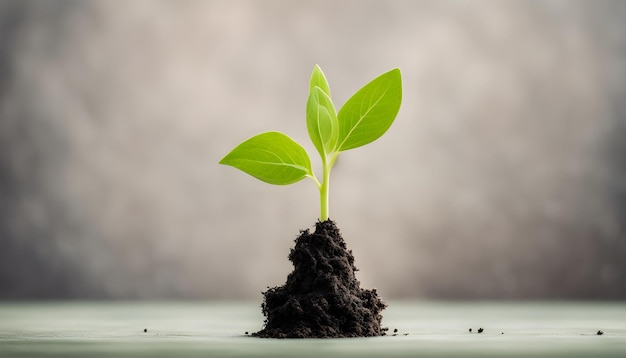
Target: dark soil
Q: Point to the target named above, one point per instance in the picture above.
(322, 297)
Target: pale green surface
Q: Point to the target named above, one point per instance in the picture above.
(198, 329)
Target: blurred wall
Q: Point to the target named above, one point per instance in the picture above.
(504, 175)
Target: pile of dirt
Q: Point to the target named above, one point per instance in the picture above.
(322, 297)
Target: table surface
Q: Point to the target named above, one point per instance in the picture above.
(217, 329)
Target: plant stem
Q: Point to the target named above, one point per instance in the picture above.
(324, 189)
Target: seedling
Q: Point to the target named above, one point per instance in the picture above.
(275, 158)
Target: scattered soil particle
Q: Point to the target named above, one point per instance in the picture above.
(600, 333)
(480, 330)
(246, 333)
(406, 334)
(145, 330)
(470, 330)
(322, 297)
(395, 330)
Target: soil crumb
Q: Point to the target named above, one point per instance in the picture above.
(600, 333)
(322, 297)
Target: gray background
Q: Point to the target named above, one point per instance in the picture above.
(504, 175)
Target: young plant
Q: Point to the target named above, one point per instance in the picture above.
(275, 158)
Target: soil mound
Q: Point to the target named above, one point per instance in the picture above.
(322, 297)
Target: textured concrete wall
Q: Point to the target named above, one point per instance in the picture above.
(504, 175)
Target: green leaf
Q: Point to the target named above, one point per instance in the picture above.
(321, 121)
(271, 157)
(370, 111)
(318, 79)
